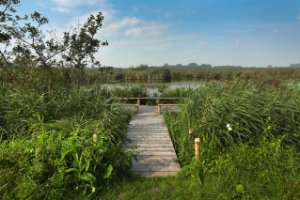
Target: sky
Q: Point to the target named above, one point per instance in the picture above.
(156, 32)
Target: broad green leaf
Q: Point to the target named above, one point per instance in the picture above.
(108, 171)
(88, 177)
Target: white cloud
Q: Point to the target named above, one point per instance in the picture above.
(62, 9)
(113, 26)
(66, 3)
(275, 31)
(127, 26)
(127, 35)
(133, 27)
(66, 6)
(147, 29)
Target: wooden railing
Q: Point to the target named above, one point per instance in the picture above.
(159, 105)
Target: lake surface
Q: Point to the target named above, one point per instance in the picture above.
(154, 88)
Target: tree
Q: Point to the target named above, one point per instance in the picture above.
(166, 75)
(25, 43)
(81, 46)
(7, 19)
(31, 43)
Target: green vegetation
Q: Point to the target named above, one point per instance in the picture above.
(249, 146)
(62, 132)
(64, 147)
(178, 188)
(249, 140)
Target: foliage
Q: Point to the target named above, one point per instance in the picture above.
(66, 146)
(25, 47)
(81, 45)
(249, 140)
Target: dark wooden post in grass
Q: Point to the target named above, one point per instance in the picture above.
(197, 149)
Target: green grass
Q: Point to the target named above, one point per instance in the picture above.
(153, 188)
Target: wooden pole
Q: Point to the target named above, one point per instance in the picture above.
(137, 108)
(158, 108)
(197, 149)
(138, 102)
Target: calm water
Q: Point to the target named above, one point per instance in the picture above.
(153, 88)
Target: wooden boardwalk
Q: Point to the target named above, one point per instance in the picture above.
(148, 137)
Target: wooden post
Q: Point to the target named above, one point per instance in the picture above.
(197, 149)
(158, 108)
(138, 102)
(157, 100)
(137, 108)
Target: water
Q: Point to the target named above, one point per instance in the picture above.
(153, 89)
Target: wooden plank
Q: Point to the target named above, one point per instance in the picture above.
(157, 139)
(151, 98)
(149, 126)
(155, 158)
(154, 153)
(148, 130)
(151, 148)
(150, 137)
(149, 143)
(158, 161)
(136, 145)
(149, 140)
(157, 173)
(148, 134)
(155, 168)
(165, 104)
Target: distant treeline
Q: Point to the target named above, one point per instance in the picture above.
(36, 77)
(192, 71)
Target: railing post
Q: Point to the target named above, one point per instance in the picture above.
(197, 149)
(158, 108)
(138, 102)
(157, 100)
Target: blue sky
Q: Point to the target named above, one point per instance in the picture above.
(217, 32)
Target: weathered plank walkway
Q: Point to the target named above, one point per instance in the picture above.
(148, 137)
